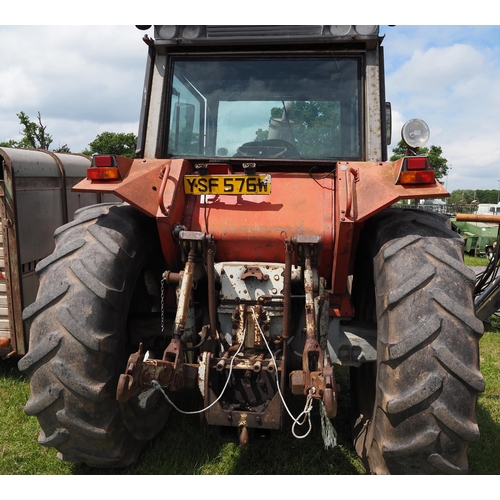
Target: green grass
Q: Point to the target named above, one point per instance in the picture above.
(472, 261)
(187, 446)
(19, 451)
(484, 455)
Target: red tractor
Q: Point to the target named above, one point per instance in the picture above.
(255, 250)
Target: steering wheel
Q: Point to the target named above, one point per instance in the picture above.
(272, 148)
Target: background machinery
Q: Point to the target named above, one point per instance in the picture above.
(35, 199)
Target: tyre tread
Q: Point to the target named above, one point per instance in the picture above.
(466, 316)
(36, 404)
(76, 324)
(46, 345)
(428, 377)
(469, 376)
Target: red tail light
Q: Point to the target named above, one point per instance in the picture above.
(416, 163)
(417, 177)
(104, 167)
(103, 161)
(102, 173)
(416, 170)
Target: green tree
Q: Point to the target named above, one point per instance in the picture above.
(487, 195)
(467, 196)
(315, 128)
(8, 144)
(63, 149)
(461, 197)
(34, 135)
(438, 163)
(113, 143)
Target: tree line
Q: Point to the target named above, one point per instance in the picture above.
(35, 136)
(473, 196)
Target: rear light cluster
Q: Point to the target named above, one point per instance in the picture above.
(416, 170)
(103, 167)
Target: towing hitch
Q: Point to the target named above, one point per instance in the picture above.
(240, 383)
(141, 371)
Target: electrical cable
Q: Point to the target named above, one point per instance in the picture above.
(144, 396)
(304, 416)
(306, 412)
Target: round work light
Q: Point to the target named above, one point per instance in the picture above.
(191, 32)
(166, 32)
(415, 133)
(338, 30)
(366, 29)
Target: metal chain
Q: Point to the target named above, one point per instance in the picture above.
(162, 305)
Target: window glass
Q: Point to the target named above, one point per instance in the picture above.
(271, 108)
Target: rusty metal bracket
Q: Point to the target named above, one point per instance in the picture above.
(312, 242)
(130, 381)
(192, 240)
(170, 372)
(323, 381)
(165, 172)
(254, 272)
(315, 372)
(230, 413)
(350, 180)
(287, 305)
(174, 358)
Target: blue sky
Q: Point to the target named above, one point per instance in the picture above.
(88, 79)
(448, 76)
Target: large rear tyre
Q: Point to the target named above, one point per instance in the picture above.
(416, 406)
(101, 273)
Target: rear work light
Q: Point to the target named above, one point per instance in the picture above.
(416, 169)
(104, 167)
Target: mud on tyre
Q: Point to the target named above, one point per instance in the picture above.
(416, 405)
(79, 338)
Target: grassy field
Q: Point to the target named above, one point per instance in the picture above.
(470, 260)
(186, 446)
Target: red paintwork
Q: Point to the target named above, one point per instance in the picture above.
(254, 228)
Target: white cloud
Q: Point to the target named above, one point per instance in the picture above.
(16, 87)
(81, 79)
(439, 68)
(454, 88)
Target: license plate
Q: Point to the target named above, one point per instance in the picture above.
(227, 184)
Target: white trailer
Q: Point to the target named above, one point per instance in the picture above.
(488, 209)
